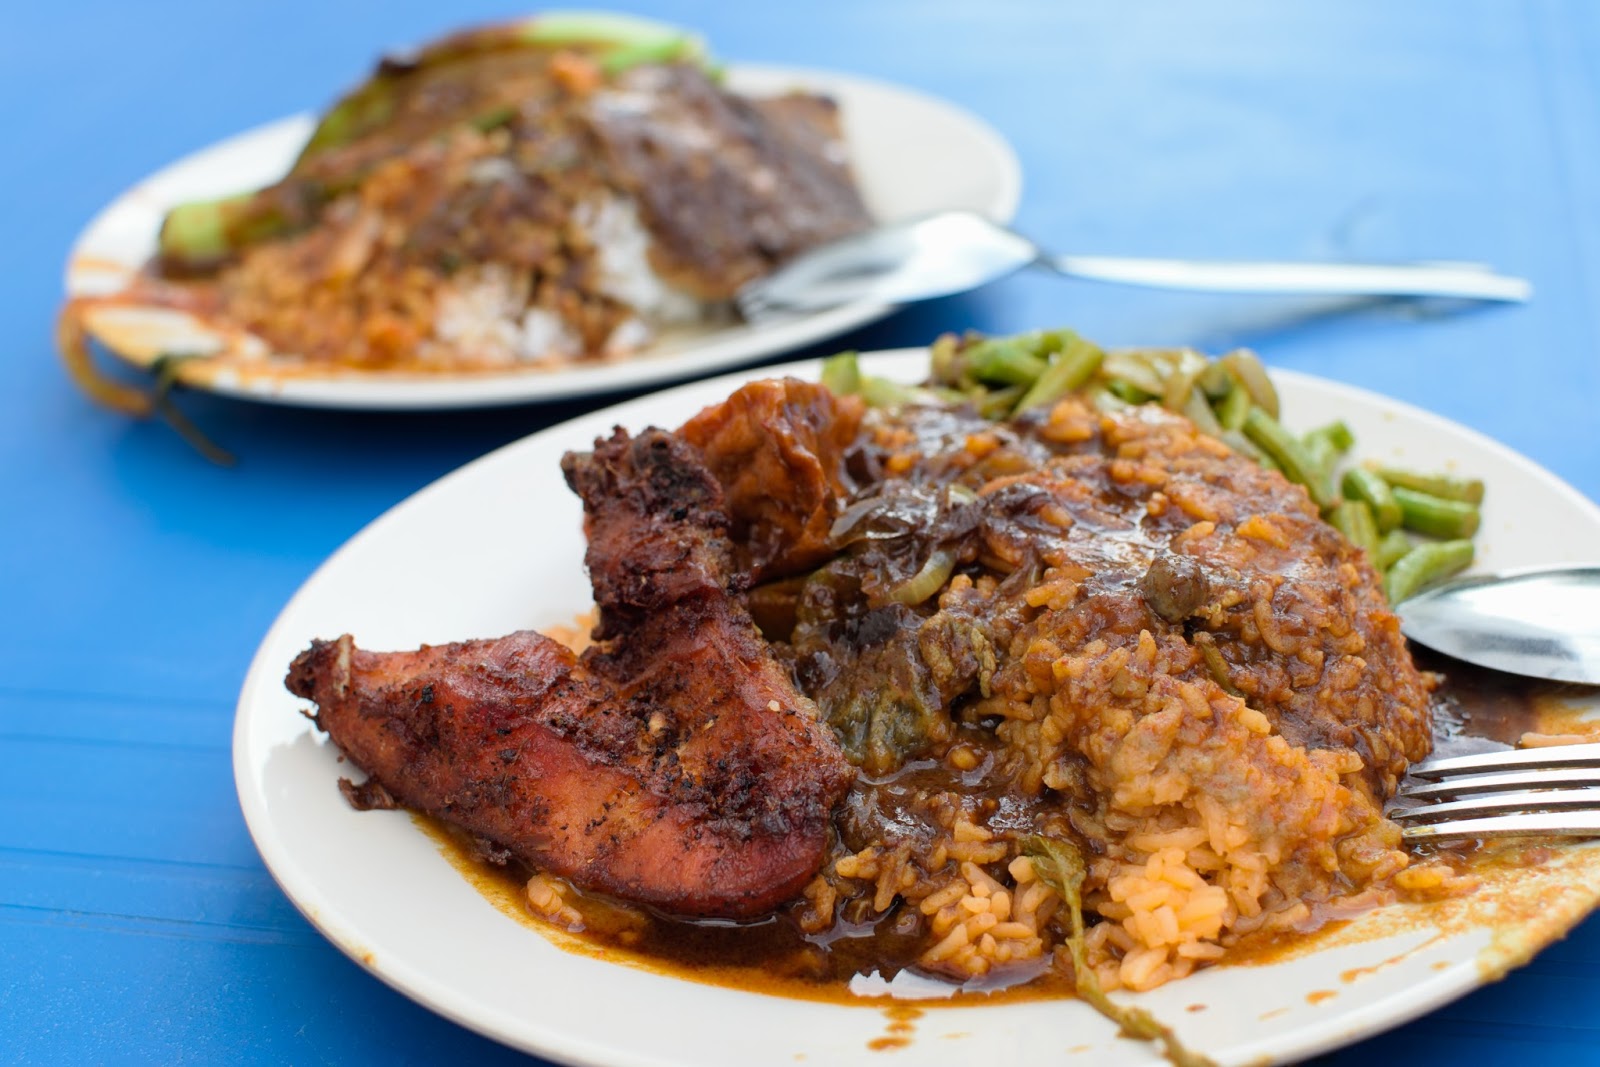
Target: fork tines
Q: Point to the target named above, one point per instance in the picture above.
(1550, 791)
(1511, 760)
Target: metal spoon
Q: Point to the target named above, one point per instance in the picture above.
(953, 251)
(1541, 622)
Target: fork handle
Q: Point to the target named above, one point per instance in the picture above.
(1349, 279)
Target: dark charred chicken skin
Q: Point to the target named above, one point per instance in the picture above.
(672, 764)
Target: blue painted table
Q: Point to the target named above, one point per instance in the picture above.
(136, 921)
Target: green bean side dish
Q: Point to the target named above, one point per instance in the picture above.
(1416, 528)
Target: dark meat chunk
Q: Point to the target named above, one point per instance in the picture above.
(778, 448)
(1174, 586)
(673, 764)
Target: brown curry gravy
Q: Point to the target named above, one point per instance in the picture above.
(772, 956)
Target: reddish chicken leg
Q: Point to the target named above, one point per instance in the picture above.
(673, 764)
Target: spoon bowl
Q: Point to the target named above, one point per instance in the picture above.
(1541, 622)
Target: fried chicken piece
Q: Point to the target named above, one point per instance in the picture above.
(778, 448)
(672, 764)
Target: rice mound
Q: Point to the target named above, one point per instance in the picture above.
(1223, 774)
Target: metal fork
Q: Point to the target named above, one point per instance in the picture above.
(953, 251)
(1540, 791)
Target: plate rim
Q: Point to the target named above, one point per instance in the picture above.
(492, 389)
(548, 1040)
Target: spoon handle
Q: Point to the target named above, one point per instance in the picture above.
(1464, 281)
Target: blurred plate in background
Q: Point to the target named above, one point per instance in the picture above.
(912, 154)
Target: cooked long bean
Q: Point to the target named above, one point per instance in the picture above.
(1138, 370)
(841, 374)
(1128, 392)
(1246, 367)
(1233, 407)
(1004, 361)
(1425, 565)
(1444, 486)
(1362, 484)
(1288, 453)
(1236, 440)
(1353, 518)
(1395, 544)
(1199, 412)
(1435, 516)
(1069, 370)
(999, 403)
(944, 360)
(1182, 379)
(1336, 434)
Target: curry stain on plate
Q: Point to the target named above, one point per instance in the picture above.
(1317, 996)
(902, 1028)
(1357, 973)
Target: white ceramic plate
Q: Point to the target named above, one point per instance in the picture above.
(497, 546)
(912, 154)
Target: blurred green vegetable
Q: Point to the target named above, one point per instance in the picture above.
(1361, 484)
(1234, 407)
(1353, 518)
(1424, 565)
(1004, 361)
(1288, 453)
(1069, 370)
(1247, 369)
(1445, 486)
(841, 374)
(1394, 545)
(1435, 516)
